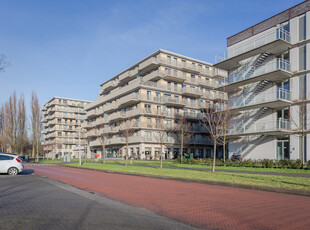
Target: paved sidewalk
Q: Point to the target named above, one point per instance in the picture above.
(204, 206)
(32, 202)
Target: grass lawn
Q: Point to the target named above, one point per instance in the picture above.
(50, 161)
(172, 163)
(283, 182)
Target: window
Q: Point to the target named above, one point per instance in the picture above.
(183, 63)
(192, 77)
(175, 61)
(5, 158)
(302, 58)
(302, 28)
(175, 73)
(168, 60)
(147, 108)
(167, 71)
(148, 137)
(148, 93)
(302, 87)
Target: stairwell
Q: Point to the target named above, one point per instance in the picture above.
(246, 149)
(256, 91)
(245, 125)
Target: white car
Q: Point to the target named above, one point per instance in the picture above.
(10, 163)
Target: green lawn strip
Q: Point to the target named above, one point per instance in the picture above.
(48, 161)
(278, 182)
(174, 164)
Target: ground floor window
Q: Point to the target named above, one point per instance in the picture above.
(283, 149)
(200, 153)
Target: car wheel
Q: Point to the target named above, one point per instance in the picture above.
(13, 171)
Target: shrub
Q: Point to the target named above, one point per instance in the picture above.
(308, 165)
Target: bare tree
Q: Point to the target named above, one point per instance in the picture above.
(164, 129)
(3, 129)
(184, 133)
(228, 116)
(35, 123)
(300, 123)
(213, 119)
(127, 128)
(21, 120)
(4, 63)
(101, 135)
(10, 120)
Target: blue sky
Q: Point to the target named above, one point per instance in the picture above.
(68, 48)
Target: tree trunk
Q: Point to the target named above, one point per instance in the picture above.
(214, 157)
(103, 152)
(224, 149)
(161, 155)
(182, 143)
(126, 157)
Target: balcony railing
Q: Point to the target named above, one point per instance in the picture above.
(277, 64)
(279, 94)
(275, 34)
(259, 127)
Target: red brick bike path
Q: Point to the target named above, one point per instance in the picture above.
(203, 206)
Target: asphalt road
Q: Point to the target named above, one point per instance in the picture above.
(201, 205)
(32, 202)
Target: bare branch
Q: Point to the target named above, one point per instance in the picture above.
(4, 63)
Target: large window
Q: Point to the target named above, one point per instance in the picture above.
(303, 87)
(302, 58)
(302, 28)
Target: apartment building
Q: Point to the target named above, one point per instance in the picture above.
(148, 100)
(62, 122)
(269, 85)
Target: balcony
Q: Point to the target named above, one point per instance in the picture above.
(172, 75)
(173, 101)
(108, 86)
(276, 70)
(201, 141)
(191, 104)
(169, 75)
(271, 127)
(219, 73)
(191, 92)
(128, 75)
(110, 107)
(151, 63)
(129, 99)
(159, 86)
(207, 83)
(275, 99)
(116, 141)
(91, 113)
(204, 105)
(276, 41)
(190, 67)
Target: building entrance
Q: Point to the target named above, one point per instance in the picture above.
(283, 149)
